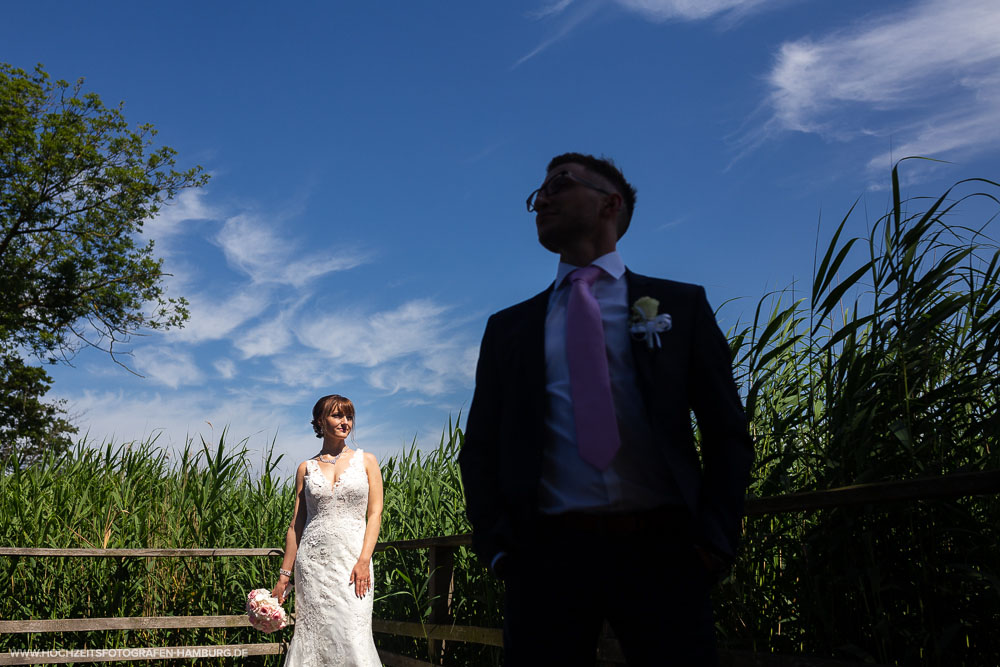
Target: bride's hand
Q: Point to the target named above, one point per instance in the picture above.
(361, 578)
(280, 591)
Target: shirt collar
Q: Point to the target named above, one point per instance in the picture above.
(611, 263)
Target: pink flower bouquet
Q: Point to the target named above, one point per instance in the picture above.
(265, 612)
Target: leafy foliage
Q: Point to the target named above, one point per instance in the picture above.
(28, 425)
(76, 185)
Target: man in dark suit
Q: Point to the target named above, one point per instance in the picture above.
(586, 490)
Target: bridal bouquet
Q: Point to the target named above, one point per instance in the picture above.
(265, 612)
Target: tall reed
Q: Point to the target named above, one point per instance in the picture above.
(424, 497)
(213, 495)
(139, 495)
(890, 372)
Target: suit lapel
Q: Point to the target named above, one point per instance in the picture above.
(533, 349)
(642, 355)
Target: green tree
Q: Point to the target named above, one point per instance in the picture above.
(28, 425)
(76, 185)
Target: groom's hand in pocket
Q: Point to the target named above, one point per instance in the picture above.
(715, 566)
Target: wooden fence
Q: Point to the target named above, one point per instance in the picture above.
(439, 629)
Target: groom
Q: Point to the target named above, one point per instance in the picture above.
(586, 490)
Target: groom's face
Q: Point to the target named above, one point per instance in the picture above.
(567, 210)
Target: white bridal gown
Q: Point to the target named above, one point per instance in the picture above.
(333, 627)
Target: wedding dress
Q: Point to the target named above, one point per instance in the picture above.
(333, 627)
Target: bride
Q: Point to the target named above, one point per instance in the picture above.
(334, 528)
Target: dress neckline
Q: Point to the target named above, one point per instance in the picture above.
(335, 482)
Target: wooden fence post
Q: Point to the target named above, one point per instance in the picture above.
(440, 589)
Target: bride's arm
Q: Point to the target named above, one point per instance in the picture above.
(360, 575)
(293, 535)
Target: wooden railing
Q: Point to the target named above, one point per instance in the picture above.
(440, 629)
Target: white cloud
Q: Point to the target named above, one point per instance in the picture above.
(264, 340)
(254, 247)
(213, 318)
(188, 205)
(433, 374)
(309, 370)
(173, 417)
(550, 9)
(581, 13)
(225, 367)
(169, 367)
(925, 76)
(691, 10)
(966, 131)
(370, 340)
(411, 348)
(574, 13)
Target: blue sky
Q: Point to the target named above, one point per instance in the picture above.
(370, 162)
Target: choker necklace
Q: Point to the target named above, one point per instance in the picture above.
(319, 457)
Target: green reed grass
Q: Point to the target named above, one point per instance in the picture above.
(211, 495)
(424, 497)
(886, 370)
(138, 495)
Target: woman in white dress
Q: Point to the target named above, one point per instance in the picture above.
(330, 542)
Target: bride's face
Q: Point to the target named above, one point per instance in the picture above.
(339, 424)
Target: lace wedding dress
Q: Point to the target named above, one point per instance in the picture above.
(333, 627)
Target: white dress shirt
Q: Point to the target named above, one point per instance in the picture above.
(637, 477)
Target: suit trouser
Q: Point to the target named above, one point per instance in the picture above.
(643, 577)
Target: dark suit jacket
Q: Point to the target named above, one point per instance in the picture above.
(692, 371)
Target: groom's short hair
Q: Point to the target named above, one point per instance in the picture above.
(606, 167)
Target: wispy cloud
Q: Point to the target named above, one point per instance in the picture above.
(260, 346)
(373, 339)
(266, 339)
(567, 15)
(168, 366)
(175, 416)
(569, 21)
(433, 374)
(188, 205)
(925, 75)
(225, 368)
(213, 317)
(255, 415)
(694, 10)
(310, 370)
(414, 347)
(550, 9)
(255, 247)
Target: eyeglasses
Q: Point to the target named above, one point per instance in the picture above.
(557, 184)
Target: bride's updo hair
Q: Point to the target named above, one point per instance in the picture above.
(326, 406)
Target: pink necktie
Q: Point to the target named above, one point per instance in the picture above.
(589, 382)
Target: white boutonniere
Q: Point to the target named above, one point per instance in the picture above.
(646, 323)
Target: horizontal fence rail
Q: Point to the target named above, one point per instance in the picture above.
(125, 623)
(139, 553)
(43, 657)
(438, 629)
(955, 485)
